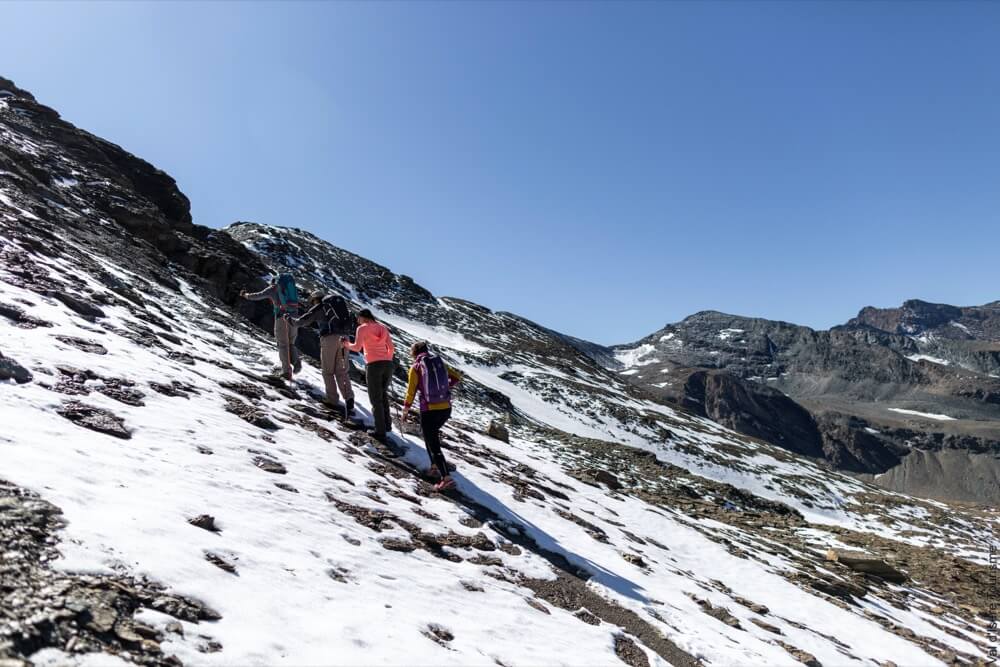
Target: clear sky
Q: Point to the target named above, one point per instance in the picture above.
(601, 168)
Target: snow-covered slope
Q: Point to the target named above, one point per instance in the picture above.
(611, 528)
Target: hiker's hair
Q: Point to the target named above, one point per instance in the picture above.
(420, 347)
(366, 314)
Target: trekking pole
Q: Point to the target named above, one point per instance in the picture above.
(395, 405)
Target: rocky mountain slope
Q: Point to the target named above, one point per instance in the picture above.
(909, 395)
(165, 502)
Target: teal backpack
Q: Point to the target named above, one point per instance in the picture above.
(288, 295)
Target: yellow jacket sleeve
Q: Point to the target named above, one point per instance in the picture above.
(411, 387)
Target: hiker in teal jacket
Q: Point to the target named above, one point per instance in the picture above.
(285, 332)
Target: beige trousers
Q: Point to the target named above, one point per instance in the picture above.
(333, 359)
(286, 333)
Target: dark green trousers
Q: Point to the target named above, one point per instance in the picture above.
(379, 377)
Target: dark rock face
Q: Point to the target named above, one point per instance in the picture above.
(755, 410)
(135, 211)
(849, 445)
(915, 317)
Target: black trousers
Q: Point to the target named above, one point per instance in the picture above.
(378, 375)
(431, 423)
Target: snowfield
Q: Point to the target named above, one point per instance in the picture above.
(314, 586)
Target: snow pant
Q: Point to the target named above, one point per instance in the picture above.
(286, 333)
(333, 361)
(431, 423)
(379, 376)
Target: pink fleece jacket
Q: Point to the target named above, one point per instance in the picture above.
(376, 342)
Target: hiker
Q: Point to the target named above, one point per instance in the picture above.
(433, 379)
(284, 298)
(334, 322)
(372, 337)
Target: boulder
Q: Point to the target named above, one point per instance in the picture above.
(861, 562)
(11, 370)
(608, 479)
(94, 418)
(205, 522)
(498, 431)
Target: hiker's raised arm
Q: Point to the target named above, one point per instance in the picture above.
(310, 316)
(269, 292)
(358, 343)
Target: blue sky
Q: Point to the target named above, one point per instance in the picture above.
(601, 168)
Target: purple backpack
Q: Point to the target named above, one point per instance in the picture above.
(434, 380)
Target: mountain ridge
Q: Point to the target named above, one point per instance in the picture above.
(874, 388)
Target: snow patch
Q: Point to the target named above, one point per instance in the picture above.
(636, 356)
(927, 357)
(926, 415)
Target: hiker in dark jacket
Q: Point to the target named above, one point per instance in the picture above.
(432, 379)
(374, 340)
(333, 320)
(284, 331)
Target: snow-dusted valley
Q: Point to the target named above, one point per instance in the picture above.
(163, 502)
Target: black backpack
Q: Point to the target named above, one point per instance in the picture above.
(337, 318)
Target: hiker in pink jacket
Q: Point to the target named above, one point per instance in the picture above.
(373, 339)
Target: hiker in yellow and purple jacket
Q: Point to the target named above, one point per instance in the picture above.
(432, 379)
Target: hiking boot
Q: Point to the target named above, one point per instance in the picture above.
(445, 484)
(433, 472)
(348, 408)
(297, 368)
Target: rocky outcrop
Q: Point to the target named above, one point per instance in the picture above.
(916, 317)
(44, 607)
(849, 443)
(135, 210)
(11, 370)
(753, 409)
